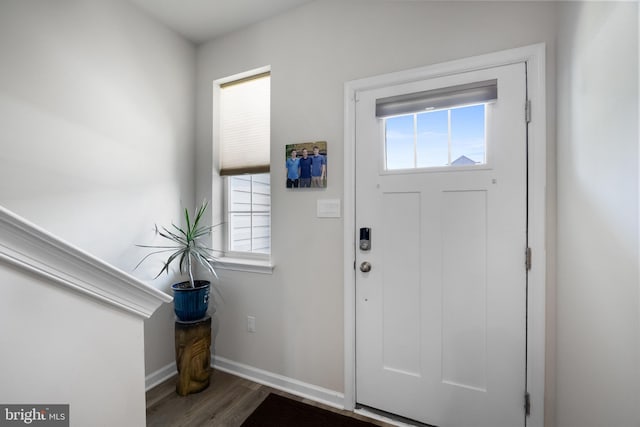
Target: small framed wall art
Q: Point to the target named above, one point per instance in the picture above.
(306, 164)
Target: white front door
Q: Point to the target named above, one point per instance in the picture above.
(441, 314)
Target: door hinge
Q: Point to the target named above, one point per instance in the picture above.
(527, 111)
(527, 259)
(527, 404)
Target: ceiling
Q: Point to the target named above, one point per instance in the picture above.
(203, 20)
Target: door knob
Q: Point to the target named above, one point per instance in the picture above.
(365, 267)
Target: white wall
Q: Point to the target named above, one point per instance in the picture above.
(97, 130)
(72, 328)
(312, 52)
(58, 348)
(598, 319)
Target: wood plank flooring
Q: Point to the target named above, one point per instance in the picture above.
(227, 402)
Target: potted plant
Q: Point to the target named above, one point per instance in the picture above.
(191, 298)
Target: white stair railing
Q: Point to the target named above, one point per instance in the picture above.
(29, 247)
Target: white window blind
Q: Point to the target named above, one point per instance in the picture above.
(436, 99)
(245, 125)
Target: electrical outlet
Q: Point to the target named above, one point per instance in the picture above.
(251, 323)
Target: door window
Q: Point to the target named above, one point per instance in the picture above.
(449, 137)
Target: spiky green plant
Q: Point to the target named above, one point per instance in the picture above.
(187, 247)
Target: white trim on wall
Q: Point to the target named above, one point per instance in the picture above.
(534, 56)
(260, 376)
(32, 249)
(161, 375)
(280, 382)
(639, 168)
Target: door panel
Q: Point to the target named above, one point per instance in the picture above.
(464, 308)
(401, 279)
(440, 317)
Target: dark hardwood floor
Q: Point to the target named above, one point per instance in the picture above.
(227, 402)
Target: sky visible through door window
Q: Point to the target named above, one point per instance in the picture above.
(451, 137)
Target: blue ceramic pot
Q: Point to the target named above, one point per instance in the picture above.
(191, 303)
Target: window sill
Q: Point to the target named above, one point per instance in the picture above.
(244, 264)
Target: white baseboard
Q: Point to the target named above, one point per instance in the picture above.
(280, 382)
(161, 375)
(260, 376)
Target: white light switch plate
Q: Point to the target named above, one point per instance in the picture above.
(329, 208)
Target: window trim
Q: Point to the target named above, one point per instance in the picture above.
(229, 262)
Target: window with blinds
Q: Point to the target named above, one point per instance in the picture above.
(244, 117)
(437, 128)
(245, 125)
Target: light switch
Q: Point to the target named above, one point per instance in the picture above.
(328, 208)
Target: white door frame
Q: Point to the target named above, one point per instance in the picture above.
(534, 56)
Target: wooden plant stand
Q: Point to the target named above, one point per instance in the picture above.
(193, 355)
